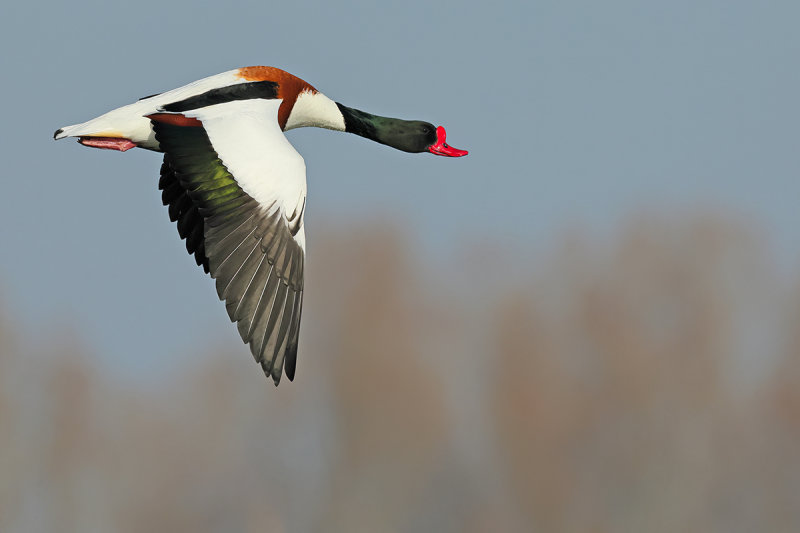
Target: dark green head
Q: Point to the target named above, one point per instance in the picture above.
(407, 135)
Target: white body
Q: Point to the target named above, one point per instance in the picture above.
(130, 122)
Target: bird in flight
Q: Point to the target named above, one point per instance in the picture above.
(237, 188)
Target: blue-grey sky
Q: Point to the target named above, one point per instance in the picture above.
(576, 113)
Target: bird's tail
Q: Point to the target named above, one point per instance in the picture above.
(76, 130)
(119, 129)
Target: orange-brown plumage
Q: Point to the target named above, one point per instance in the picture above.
(289, 87)
(175, 119)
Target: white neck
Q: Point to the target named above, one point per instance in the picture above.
(315, 110)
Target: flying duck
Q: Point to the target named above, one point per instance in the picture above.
(237, 188)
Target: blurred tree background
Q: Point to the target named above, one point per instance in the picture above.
(648, 382)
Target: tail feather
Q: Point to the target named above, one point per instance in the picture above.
(129, 122)
(104, 125)
(68, 131)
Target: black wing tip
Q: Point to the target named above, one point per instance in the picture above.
(58, 132)
(266, 366)
(291, 361)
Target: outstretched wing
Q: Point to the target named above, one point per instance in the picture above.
(234, 174)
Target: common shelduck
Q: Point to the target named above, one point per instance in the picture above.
(237, 188)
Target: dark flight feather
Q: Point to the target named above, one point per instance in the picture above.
(248, 248)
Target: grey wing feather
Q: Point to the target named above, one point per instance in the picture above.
(248, 248)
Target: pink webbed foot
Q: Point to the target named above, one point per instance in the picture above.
(107, 143)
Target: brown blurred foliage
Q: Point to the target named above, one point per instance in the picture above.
(646, 383)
